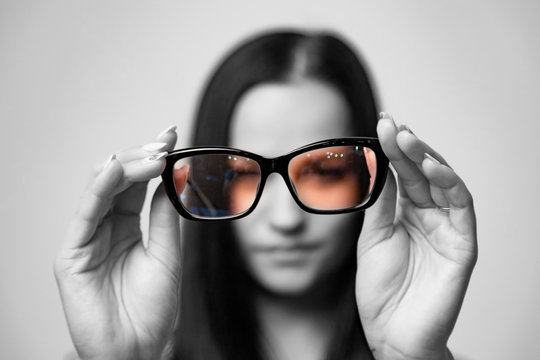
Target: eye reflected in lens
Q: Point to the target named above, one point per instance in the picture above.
(334, 178)
(218, 185)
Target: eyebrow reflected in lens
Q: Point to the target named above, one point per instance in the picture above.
(333, 178)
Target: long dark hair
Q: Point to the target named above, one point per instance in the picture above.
(217, 317)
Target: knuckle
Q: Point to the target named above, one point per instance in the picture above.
(468, 198)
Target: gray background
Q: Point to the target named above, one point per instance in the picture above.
(82, 79)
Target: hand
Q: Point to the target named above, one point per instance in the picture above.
(119, 297)
(414, 259)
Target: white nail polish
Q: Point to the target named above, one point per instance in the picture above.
(405, 128)
(171, 128)
(109, 160)
(385, 115)
(156, 146)
(157, 156)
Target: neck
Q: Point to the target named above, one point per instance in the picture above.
(297, 326)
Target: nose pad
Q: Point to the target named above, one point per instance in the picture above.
(283, 212)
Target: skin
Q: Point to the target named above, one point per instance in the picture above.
(293, 255)
(110, 284)
(414, 260)
(287, 250)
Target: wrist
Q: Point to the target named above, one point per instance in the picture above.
(389, 353)
(161, 349)
(147, 354)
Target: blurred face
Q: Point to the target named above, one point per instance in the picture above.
(286, 250)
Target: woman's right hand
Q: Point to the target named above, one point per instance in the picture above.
(120, 297)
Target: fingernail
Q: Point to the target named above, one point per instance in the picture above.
(385, 115)
(171, 128)
(157, 156)
(403, 127)
(427, 156)
(156, 146)
(109, 160)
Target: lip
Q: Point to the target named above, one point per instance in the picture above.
(295, 254)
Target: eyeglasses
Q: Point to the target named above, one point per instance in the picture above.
(327, 177)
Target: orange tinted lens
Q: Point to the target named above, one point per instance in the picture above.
(218, 185)
(334, 178)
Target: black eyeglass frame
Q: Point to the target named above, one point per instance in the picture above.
(279, 165)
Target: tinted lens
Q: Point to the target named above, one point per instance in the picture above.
(218, 185)
(334, 178)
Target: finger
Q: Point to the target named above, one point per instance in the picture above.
(130, 154)
(79, 259)
(169, 136)
(146, 162)
(95, 202)
(414, 149)
(113, 180)
(413, 183)
(379, 218)
(140, 152)
(459, 198)
(438, 197)
(165, 141)
(130, 201)
(164, 231)
(132, 191)
(145, 169)
(138, 169)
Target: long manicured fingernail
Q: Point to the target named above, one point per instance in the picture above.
(157, 156)
(403, 127)
(385, 115)
(109, 160)
(156, 146)
(427, 156)
(171, 128)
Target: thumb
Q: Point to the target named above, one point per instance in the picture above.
(164, 232)
(379, 218)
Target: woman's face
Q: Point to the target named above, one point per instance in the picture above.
(287, 250)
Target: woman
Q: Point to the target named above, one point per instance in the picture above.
(279, 283)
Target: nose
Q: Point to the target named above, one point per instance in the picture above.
(283, 214)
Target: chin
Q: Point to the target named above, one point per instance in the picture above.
(286, 282)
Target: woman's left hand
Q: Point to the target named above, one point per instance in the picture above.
(414, 259)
